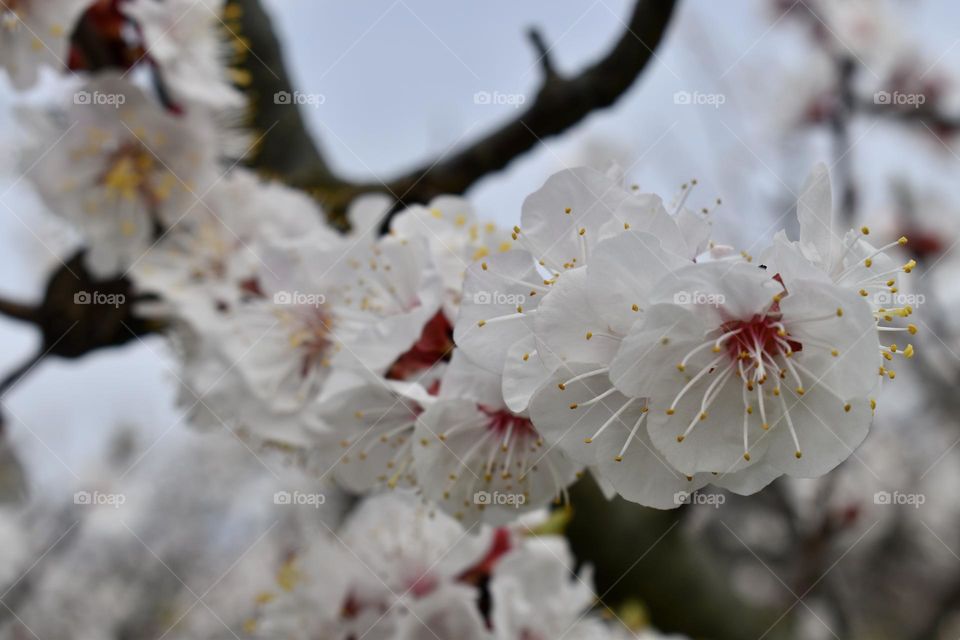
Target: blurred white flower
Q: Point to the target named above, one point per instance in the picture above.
(456, 239)
(36, 33)
(186, 39)
(121, 170)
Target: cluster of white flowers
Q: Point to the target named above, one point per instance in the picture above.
(475, 372)
(397, 570)
(603, 333)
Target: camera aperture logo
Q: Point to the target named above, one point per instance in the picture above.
(299, 498)
(499, 499)
(699, 298)
(115, 300)
(497, 297)
(299, 298)
(915, 500)
(98, 499)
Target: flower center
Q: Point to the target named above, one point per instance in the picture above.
(508, 425)
(312, 339)
(757, 343)
(755, 350)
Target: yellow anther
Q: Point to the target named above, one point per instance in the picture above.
(746, 456)
(847, 407)
(864, 293)
(902, 240)
(587, 440)
(670, 412)
(798, 454)
(910, 266)
(626, 225)
(873, 403)
(480, 323)
(526, 357)
(868, 263)
(839, 312)
(635, 308)
(681, 438)
(483, 265)
(681, 367)
(800, 391)
(865, 230)
(908, 352)
(912, 329)
(567, 210)
(589, 335)
(703, 415)
(834, 353)
(562, 386)
(574, 405)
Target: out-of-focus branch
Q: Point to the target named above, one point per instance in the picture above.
(924, 115)
(644, 553)
(560, 103)
(840, 128)
(18, 311)
(284, 147)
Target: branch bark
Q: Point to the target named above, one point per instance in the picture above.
(560, 104)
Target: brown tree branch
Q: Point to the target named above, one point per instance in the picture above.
(284, 149)
(18, 311)
(560, 103)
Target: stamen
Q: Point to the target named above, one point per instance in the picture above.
(633, 432)
(609, 421)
